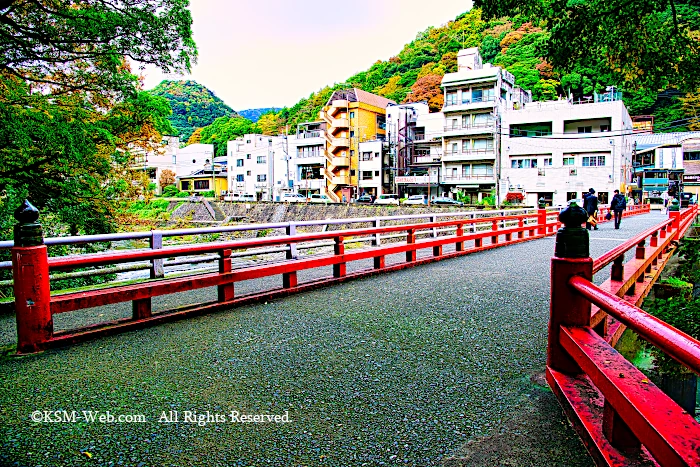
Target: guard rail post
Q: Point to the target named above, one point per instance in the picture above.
(156, 243)
(568, 308)
(226, 292)
(291, 230)
(459, 246)
(411, 239)
(542, 222)
(521, 224)
(494, 228)
(339, 269)
(30, 272)
(377, 236)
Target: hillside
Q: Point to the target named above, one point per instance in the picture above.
(254, 114)
(193, 105)
(514, 43)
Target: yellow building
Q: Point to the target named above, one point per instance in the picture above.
(352, 116)
(205, 180)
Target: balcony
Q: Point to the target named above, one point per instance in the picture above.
(339, 123)
(340, 161)
(469, 155)
(312, 184)
(309, 134)
(338, 105)
(431, 159)
(336, 143)
(469, 104)
(340, 180)
(471, 128)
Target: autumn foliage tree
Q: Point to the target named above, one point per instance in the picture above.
(167, 177)
(428, 89)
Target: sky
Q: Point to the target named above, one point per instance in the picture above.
(272, 53)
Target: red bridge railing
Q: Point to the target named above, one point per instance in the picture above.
(622, 417)
(35, 304)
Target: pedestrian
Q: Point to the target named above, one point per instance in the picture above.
(664, 196)
(590, 204)
(618, 205)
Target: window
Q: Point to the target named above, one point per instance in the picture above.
(352, 172)
(466, 170)
(352, 153)
(239, 162)
(262, 159)
(308, 151)
(465, 96)
(691, 156)
(585, 129)
(376, 173)
(185, 184)
(247, 141)
(366, 175)
(352, 133)
(352, 114)
(602, 197)
(547, 162)
(604, 127)
(466, 145)
(571, 195)
(239, 177)
(540, 172)
(454, 123)
(455, 148)
(572, 171)
(366, 156)
(262, 178)
(593, 161)
(247, 156)
(483, 144)
(482, 170)
(376, 154)
(451, 98)
(201, 184)
(568, 161)
(174, 159)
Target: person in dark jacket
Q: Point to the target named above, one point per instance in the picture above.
(590, 204)
(617, 206)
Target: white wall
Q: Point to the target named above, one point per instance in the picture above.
(558, 178)
(193, 158)
(260, 157)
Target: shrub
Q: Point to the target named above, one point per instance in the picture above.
(515, 197)
(170, 191)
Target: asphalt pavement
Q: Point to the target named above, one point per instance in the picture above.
(436, 365)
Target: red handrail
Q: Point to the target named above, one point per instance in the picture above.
(608, 257)
(675, 343)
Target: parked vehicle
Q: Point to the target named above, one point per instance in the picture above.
(387, 199)
(416, 199)
(319, 198)
(292, 198)
(230, 196)
(367, 199)
(444, 200)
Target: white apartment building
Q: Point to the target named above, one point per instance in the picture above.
(308, 160)
(193, 158)
(373, 180)
(475, 96)
(259, 165)
(156, 161)
(557, 150)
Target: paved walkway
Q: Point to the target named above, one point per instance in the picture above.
(436, 365)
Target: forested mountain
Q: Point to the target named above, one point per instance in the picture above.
(515, 43)
(254, 114)
(193, 105)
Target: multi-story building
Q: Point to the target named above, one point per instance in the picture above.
(557, 150)
(197, 171)
(351, 117)
(154, 162)
(259, 165)
(475, 96)
(308, 162)
(373, 168)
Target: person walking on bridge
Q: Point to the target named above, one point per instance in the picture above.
(617, 206)
(590, 204)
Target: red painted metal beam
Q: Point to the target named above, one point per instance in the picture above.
(675, 343)
(583, 403)
(670, 434)
(607, 258)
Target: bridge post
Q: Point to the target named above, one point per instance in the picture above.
(542, 222)
(494, 228)
(434, 220)
(291, 230)
(459, 246)
(339, 249)
(521, 224)
(156, 242)
(225, 292)
(410, 240)
(567, 308)
(30, 272)
(377, 236)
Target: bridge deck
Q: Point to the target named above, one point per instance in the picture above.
(440, 364)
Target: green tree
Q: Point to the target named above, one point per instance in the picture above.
(653, 44)
(70, 107)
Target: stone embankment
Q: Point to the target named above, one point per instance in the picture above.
(225, 213)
